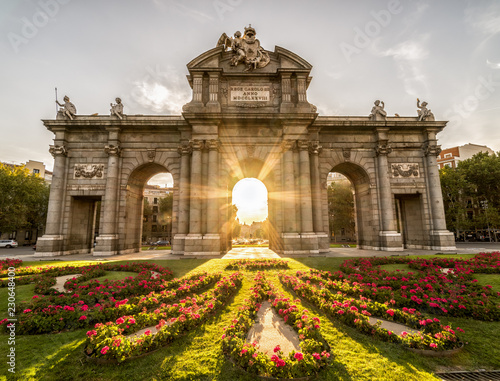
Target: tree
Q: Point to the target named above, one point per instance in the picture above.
(24, 199)
(341, 208)
(470, 193)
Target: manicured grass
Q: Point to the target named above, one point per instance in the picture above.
(23, 293)
(145, 248)
(198, 354)
(250, 245)
(114, 275)
(489, 279)
(339, 245)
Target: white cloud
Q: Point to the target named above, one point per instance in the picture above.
(486, 21)
(408, 56)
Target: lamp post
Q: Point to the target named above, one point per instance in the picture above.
(484, 205)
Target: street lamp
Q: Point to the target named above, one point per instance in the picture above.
(484, 205)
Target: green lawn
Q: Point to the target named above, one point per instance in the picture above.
(198, 355)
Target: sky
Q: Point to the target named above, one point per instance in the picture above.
(445, 52)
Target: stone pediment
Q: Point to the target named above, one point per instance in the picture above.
(239, 75)
(217, 58)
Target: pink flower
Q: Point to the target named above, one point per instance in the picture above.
(120, 320)
(390, 312)
(104, 350)
(83, 317)
(91, 333)
(298, 356)
(147, 332)
(433, 345)
(131, 321)
(243, 351)
(26, 311)
(316, 356)
(277, 348)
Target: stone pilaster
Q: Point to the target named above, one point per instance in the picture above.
(51, 244)
(213, 104)
(390, 239)
(183, 220)
(441, 239)
(107, 241)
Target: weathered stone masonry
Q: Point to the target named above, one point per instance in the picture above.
(244, 121)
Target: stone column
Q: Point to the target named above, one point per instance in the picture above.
(289, 186)
(51, 243)
(213, 187)
(193, 240)
(305, 188)
(107, 241)
(314, 150)
(291, 239)
(390, 239)
(441, 238)
(211, 240)
(184, 151)
(54, 217)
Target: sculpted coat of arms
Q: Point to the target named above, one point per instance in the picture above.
(245, 49)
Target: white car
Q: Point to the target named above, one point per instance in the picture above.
(8, 243)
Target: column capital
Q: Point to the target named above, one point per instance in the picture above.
(303, 145)
(196, 145)
(58, 150)
(287, 145)
(383, 148)
(431, 149)
(213, 144)
(315, 148)
(113, 150)
(185, 149)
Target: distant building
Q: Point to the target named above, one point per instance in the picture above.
(450, 157)
(335, 177)
(156, 227)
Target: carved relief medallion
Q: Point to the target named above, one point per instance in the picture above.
(88, 171)
(405, 170)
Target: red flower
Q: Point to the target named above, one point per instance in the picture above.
(277, 348)
(83, 317)
(298, 356)
(105, 350)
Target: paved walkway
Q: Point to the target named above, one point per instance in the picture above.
(238, 253)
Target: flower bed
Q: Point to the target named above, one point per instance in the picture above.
(56, 313)
(355, 313)
(257, 264)
(314, 353)
(111, 341)
(9, 262)
(428, 289)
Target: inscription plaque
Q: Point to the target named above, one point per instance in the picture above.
(250, 93)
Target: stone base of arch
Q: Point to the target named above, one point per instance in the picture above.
(442, 240)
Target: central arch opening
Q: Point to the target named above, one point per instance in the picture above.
(250, 198)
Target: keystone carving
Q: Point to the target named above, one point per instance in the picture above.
(88, 171)
(58, 151)
(405, 170)
(151, 154)
(346, 152)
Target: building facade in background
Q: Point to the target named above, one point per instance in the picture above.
(157, 226)
(450, 157)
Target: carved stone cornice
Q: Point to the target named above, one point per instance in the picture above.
(197, 145)
(405, 170)
(213, 145)
(383, 148)
(287, 145)
(185, 149)
(431, 149)
(112, 150)
(58, 151)
(315, 148)
(88, 171)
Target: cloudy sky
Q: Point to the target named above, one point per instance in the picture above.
(445, 52)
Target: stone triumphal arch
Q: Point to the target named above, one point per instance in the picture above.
(249, 117)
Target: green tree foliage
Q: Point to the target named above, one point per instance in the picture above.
(165, 208)
(473, 186)
(24, 199)
(341, 208)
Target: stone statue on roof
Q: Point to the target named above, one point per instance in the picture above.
(424, 113)
(67, 109)
(378, 112)
(245, 49)
(117, 109)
